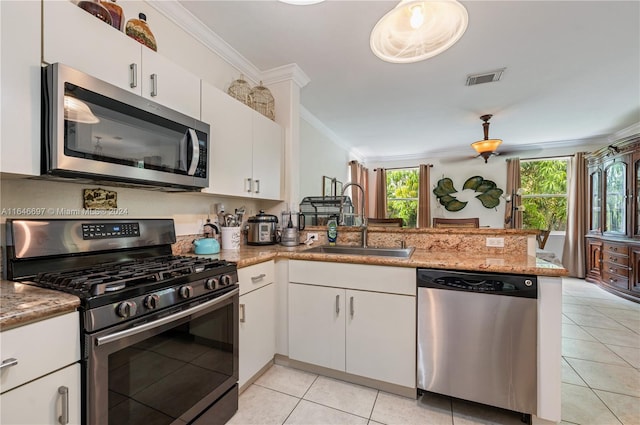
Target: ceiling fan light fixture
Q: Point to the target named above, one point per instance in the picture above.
(486, 148)
(417, 30)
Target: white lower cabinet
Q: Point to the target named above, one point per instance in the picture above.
(257, 344)
(45, 400)
(366, 333)
(41, 377)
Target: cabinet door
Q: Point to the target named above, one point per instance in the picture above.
(20, 39)
(40, 402)
(267, 158)
(80, 40)
(257, 331)
(230, 151)
(594, 259)
(615, 197)
(634, 271)
(167, 83)
(636, 191)
(317, 325)
(595, 187)
(381, 336)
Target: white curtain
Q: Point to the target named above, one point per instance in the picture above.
(573, 253)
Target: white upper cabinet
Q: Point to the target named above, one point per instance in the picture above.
(168, 84)
(76, 38)
(267, 157)
(20, 87)
(245, 153)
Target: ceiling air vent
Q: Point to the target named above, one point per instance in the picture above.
(485, 77)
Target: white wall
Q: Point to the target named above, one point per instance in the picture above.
(319, 156)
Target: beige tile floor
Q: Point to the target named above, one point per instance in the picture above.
(600, 380)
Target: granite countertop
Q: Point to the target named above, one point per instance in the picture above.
(21, 304)
(501, 263)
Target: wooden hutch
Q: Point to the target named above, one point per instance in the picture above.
(613, 237)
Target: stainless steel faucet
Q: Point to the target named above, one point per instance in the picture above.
(363, 227)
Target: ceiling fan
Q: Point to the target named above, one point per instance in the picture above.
(487, 147)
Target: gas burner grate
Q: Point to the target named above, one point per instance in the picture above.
(115, 276)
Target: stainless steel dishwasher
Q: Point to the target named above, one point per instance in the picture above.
(477, 336)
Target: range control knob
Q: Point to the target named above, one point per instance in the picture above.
(126, 309)
(225, 280)
(185, 291)
(151, 301)
(211, 283)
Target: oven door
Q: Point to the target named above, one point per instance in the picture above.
(167, 369)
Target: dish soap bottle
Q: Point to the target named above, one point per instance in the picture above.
(139, 31)
(332, 231)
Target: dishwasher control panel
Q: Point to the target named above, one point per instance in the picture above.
(492, 283)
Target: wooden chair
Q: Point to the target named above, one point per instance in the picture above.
(384, 222)
(457, 222)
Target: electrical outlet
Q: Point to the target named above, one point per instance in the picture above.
(312, 236)
(495, 242)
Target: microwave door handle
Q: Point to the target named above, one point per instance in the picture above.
(195, 152)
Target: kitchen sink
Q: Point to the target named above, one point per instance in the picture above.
(358, 250)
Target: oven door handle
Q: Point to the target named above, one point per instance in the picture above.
(156, 323)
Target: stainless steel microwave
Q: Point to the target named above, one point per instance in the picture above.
(97, 131)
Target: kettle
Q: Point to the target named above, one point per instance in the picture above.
(206, 246)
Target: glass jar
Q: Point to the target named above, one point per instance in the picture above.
(117, 17)
(139, 31)
(96, 9)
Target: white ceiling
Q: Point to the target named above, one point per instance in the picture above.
(572, 72)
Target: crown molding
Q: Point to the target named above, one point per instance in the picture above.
(193, 26)
(291, 72)
(632, 130)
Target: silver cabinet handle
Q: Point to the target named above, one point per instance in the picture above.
(258, 278)
(351, 306)
(8, 363)
(257, 186)
(242, 314)
(154, 85)
(133, 75)
(64, 393)
(249, 184)
(337, 304)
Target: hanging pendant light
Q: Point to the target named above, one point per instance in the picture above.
(486, 147)
(417, 30)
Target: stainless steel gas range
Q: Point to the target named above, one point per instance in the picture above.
(159, 332)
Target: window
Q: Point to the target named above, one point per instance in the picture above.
(402, 195)
(544, 185)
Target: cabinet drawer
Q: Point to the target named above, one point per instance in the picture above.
(615, 268)
(614, 248)
(615, 280)
(622, 260)
(39, 348)
(256, 276)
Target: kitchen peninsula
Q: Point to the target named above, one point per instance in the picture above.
(267, 275)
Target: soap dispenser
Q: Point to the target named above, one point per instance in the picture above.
(332, 231)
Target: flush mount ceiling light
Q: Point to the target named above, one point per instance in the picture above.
(486, 147)
(417, 30)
